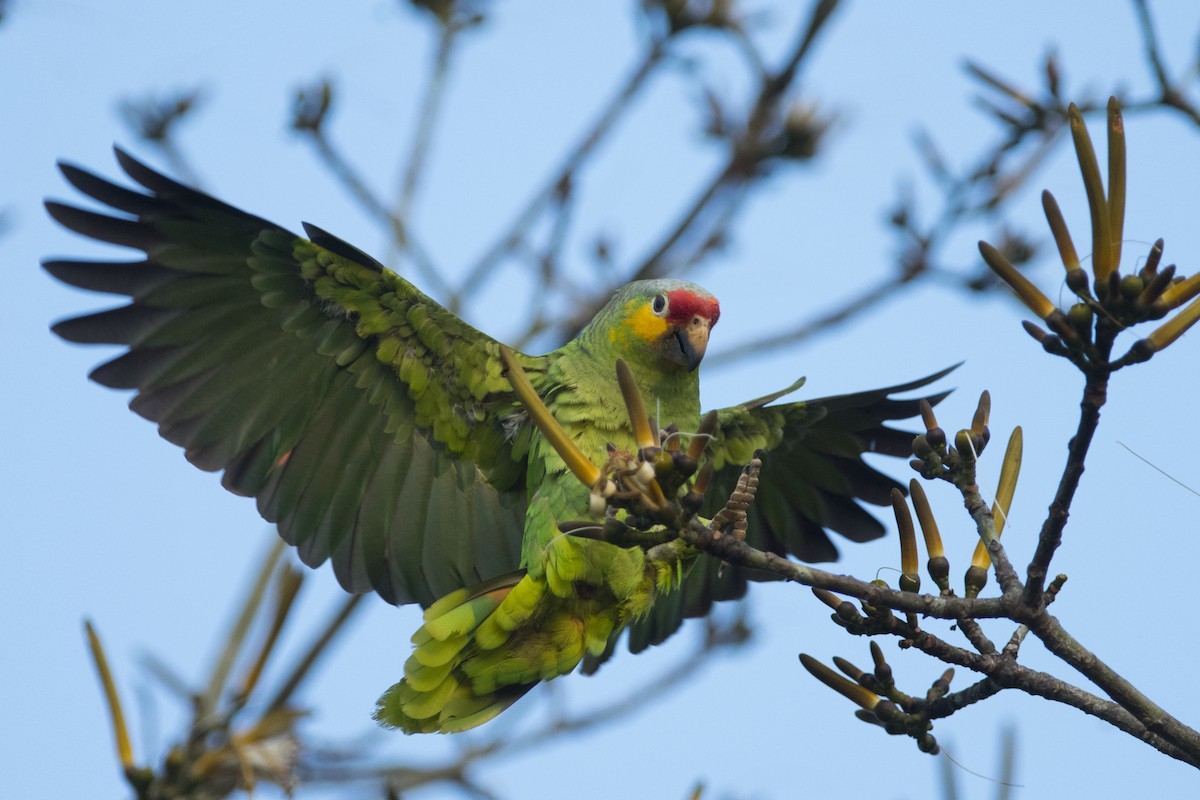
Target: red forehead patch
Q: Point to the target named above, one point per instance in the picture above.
(683, 304)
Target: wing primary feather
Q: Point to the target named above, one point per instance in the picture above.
(129, 324)
(132, 278)
(125, 232)
(109, 193)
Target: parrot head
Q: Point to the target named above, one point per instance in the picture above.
(667, 319)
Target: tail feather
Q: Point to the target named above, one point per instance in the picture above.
(437, 652)
(423, 705)
(463, 718)
(425, 678)
(466, 617)
(461, 711)
(437, 694)
(482, 649)
(512, 612)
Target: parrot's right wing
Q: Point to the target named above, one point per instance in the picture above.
(372, 424)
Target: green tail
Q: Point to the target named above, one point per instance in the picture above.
(482, 648)
(437, 695)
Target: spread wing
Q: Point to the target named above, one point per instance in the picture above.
(813, 480)
(367, 420)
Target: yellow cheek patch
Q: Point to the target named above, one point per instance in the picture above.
(644, 323)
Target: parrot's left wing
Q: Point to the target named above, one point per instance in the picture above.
(372, 424)
(813, 480)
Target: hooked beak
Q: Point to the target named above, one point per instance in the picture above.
(688, 344)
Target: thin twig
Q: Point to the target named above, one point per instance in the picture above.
(418, 154)
(1170, 95)
(524, 219)
(359, 190)
(975, 635)
(1094, 396)
(208, 701)
(822, 323)
(315, 650)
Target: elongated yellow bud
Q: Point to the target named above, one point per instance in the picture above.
(929, 526)
(642, 433)
(851, 691)
(1030, 295)
(1116, 180)
(910, 581)
(579, 464)
(1009, 470)
(1179, 293)
(981, 560)
(1102, 262)
(1175, 327)
(699, 442)
(120, 732)
(1062, 236)
(983, 413)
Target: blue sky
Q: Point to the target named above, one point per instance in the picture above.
(102, 519)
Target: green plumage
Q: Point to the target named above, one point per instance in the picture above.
(380, 432)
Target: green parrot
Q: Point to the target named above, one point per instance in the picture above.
(381, 433)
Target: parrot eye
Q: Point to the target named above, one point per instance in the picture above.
(659, 305)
